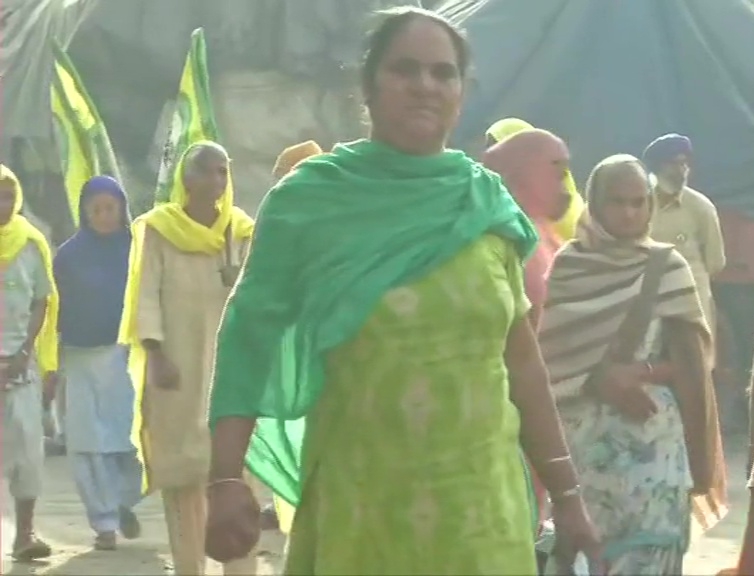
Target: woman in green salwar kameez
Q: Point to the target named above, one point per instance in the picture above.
(383, 300)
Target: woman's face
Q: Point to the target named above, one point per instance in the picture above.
(417, 92)
(209, 177)
(104, 213)
(625, 208)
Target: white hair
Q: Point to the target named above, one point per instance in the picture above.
(196, 154)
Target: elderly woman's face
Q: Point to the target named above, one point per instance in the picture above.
(625, 207)
(417, 92)
(208, 177)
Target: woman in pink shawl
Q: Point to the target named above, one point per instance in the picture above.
(533, 164)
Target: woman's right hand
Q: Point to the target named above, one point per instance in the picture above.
(622, 386)
(233, 521)
(161, 372)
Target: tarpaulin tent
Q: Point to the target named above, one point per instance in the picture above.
(28, 26)
(611, 76)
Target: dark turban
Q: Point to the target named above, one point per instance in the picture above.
(665, 149)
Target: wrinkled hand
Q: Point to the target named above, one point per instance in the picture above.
(161, 372)
(622, 386)
(576, 533)
(233, 521)
(50, 383)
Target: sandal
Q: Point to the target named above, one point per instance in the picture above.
(106, 542)
(130, 527)
(33, 549)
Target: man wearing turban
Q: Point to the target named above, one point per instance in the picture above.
(685, 217)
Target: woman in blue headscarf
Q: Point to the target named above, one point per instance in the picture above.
(90, 271)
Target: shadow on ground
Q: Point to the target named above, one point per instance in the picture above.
(137, 562)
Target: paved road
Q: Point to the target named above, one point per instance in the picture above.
(61, 522)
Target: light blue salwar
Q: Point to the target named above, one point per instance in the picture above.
(106, 483)
(99, 412)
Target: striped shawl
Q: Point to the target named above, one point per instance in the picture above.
(589, 295)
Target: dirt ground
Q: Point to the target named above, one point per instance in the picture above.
(62, 523)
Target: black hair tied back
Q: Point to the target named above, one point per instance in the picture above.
(389, 24)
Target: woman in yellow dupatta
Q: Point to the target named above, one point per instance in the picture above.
(14, 235)
(184, 259)
(30, 302)
(565, 228)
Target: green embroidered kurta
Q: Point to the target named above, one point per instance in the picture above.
(411, 459)
(335, 242)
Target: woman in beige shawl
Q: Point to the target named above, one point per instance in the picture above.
(624, 337)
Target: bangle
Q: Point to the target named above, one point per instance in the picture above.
(650, 370)
(566, 494)
(566, 458)
(226, 481)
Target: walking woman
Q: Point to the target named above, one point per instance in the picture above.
(533, 164)
(185, 259)
(90, 271)
(385, 279)
(28, 356)
(624, 338)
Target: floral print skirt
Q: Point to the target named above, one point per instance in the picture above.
(636, 482)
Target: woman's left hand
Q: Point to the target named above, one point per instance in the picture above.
(576, 533)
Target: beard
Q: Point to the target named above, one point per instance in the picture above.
(672, 185)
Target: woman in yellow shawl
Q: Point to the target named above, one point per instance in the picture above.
(566, 226)
(29, 314)
(184, 260)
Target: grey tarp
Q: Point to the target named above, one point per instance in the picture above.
(130, 53)
(26, 61)
(611, 76)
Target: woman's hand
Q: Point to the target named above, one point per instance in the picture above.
(18, 364)
(161, 372)
(575, 532)
(233, 521)
(622, 386)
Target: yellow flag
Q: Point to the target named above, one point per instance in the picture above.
(193, 118)
(83, 145)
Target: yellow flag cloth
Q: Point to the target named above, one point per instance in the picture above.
(171, 221)
(565, 228)
(13, 237)
(81, 138)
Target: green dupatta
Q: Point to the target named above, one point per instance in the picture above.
(330, 240)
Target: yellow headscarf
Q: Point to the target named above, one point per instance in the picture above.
(13, 237)
(171, 221)
(565, 228)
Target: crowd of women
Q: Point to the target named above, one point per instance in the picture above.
(427, 363)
